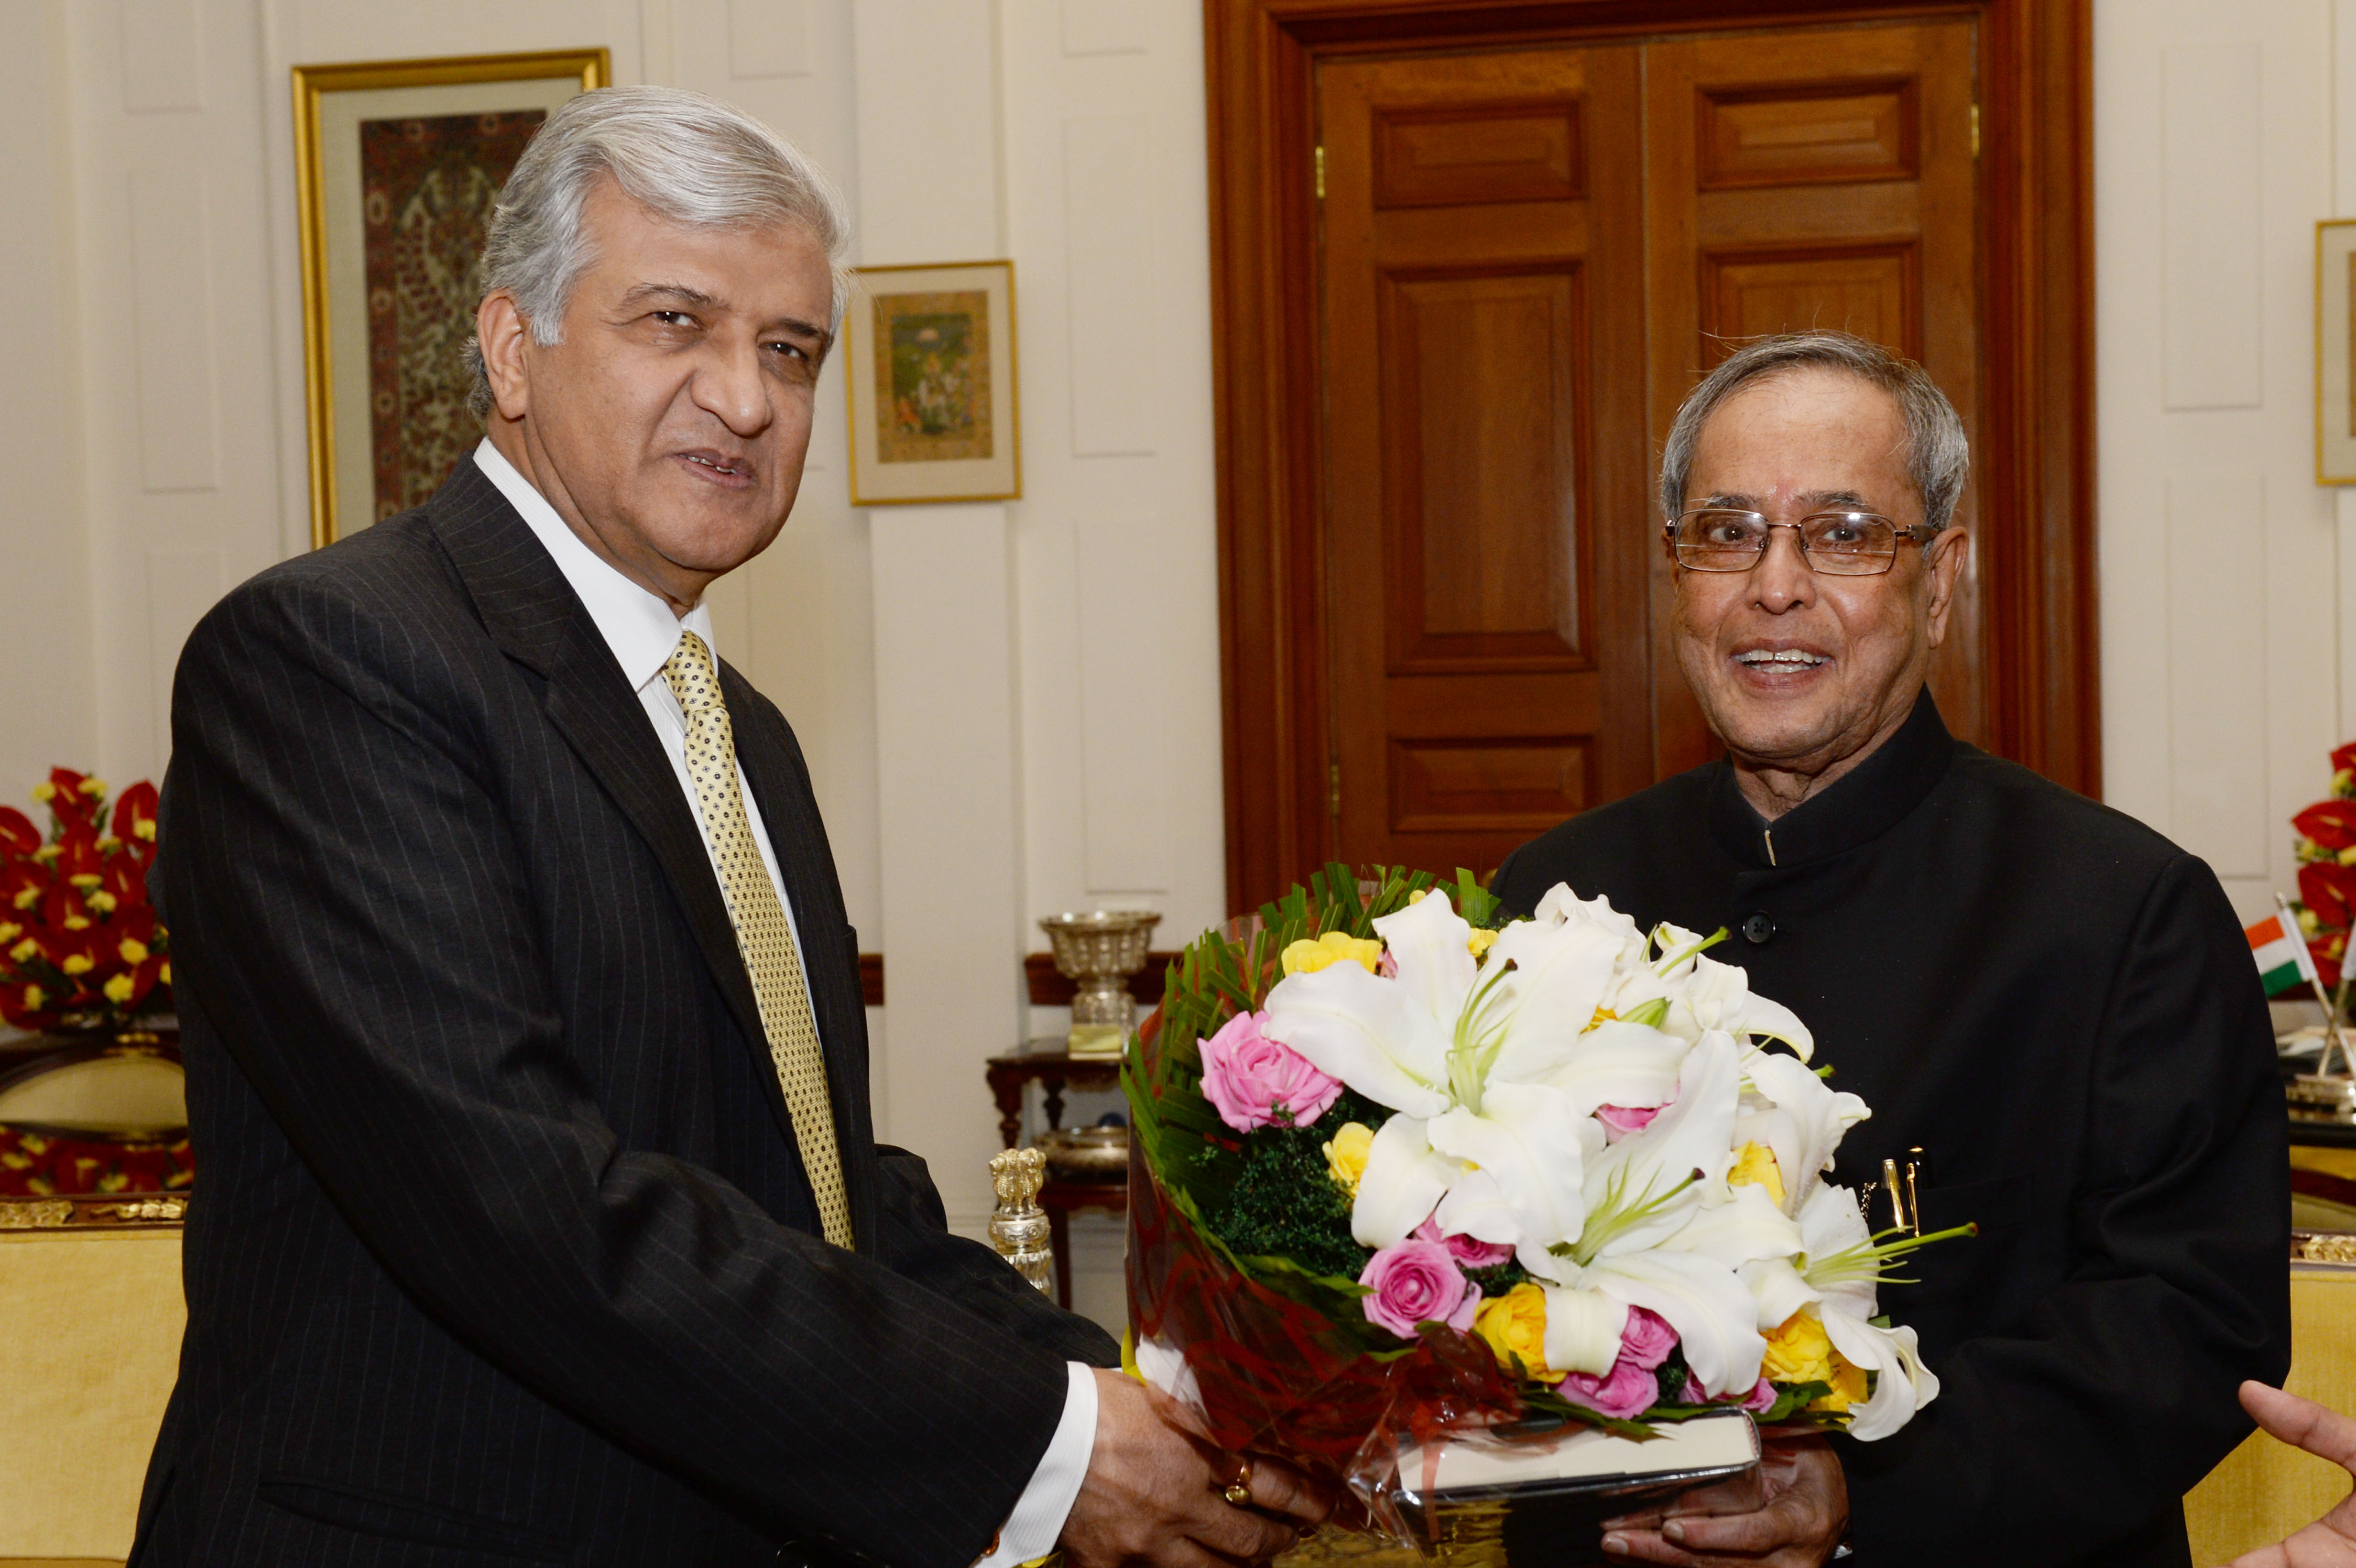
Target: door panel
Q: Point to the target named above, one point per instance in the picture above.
(1484, 563)
(1481, 299)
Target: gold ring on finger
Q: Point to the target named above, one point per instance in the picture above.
(1238, 1491)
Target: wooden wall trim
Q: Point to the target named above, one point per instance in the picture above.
(2037, 153)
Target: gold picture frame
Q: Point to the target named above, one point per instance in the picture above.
(383, 269)
(2335, 352)
(929, 361)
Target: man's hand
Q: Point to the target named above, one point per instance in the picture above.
(2329, 1542)
(1153, 1492)
(1791, 1515)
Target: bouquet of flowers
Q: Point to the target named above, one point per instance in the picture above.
(1403, 1170)
(80, 946)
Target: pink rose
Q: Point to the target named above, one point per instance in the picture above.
(1648, 1339)
(1626, 1389)
(1470, 1251)
(1417, 1281)
(1619, 1121)
(1250, 1078)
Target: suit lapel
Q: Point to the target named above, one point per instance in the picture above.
(780, 785)
(537, 619)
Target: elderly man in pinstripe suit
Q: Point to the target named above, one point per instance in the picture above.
(542, 1219)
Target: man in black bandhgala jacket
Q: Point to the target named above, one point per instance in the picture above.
(2050, 1009)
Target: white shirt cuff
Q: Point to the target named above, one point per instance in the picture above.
(1037, 1521)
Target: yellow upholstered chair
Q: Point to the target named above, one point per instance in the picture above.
(2263, 1490)
(90, 1342)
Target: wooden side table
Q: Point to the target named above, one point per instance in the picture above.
(1054, 1070)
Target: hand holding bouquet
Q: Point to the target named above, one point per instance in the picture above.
(1407, 1171)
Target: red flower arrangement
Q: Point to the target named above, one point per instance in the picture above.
(79, 944)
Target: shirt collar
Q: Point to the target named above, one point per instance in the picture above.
(638, 626)
(1855, 809)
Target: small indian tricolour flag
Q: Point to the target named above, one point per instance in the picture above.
(2281, 951)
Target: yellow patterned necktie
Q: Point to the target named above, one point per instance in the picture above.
(764, 936)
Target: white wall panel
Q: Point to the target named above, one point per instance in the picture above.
(768, 39)
(2216, 669)
(49, 703)
(172, 306)
(1116, 352)
(2213, 147)
(1124, 647)
(2210, 238)
(183, 583)
(1103, 27)
(162, 56)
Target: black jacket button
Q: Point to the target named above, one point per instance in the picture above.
(1758, 928)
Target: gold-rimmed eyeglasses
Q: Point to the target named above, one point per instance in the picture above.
(1839, 543)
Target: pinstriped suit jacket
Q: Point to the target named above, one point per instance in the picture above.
(502, 1251)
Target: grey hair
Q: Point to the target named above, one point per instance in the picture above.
(1938, 453)
(689, 158)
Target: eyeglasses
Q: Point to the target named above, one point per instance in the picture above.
(1836, 543)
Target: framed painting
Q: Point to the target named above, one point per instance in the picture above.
(2335, 352)
(928, 352)
(396, 165)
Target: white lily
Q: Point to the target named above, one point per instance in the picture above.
(1802, 1121)
(1490, 1067)
(1664, 1232)
(1717, 995)
(1901, 1383)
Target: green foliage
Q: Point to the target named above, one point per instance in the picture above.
(1284, 1204)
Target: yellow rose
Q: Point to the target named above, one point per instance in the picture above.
(118, 990)
(1799, 1351)
(1755, 1164)
(1346, 1157)
(78, 964)
(1849, 1386)
(1309, 954)
(1515, 1325)
(134, 951)
(1480, 942)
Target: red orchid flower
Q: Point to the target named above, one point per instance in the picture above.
(134, 822)
(68, 798)
(2329, 891)
(2330, 823)
(18, 834)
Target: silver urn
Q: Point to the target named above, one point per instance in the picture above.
(1098, 951)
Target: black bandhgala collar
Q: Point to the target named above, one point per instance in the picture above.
(1858, 808)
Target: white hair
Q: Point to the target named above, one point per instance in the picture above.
(689, 158)
(1938, 453)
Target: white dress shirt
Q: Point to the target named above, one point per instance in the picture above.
(642, 632)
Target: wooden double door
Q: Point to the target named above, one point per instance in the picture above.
(1526, 256)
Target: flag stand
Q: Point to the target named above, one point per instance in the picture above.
(2335, 1034)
